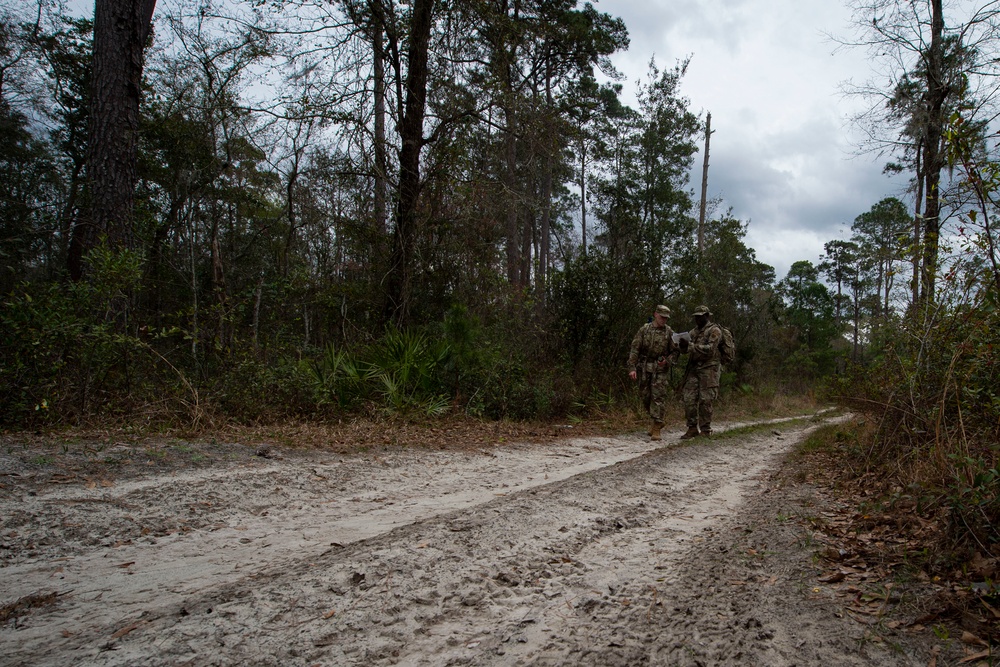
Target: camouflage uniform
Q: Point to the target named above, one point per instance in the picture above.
(651, 345)
(701, 380)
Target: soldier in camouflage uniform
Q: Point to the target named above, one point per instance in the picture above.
(701, 379)
(650, 359)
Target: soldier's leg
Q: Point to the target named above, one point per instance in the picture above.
(659, 389)
(706, 406)
(645, 389)
(658, 395)
(690, 394)
(706, 398)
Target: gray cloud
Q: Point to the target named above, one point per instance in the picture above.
(781, 152)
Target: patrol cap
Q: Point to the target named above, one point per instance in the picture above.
(662, 310)
(702, 310)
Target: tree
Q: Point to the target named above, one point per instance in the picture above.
(121, 30)
(29, 179)
(882, 237)
(839, 264)
(809, 311)
(728, 277)
(587, 103)
(29, 176)
(67, 53)
(640, 193)
(411, 134)
(934, 65)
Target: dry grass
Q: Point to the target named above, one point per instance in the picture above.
(900, 534)
(359, 433)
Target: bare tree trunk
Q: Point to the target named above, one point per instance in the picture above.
(549, 148)
(219, 282)
(258, 294)
(121, 28)
(937, 92)
(510, 187)
(293, 176)
(917, 226)
(583, 190)
(412, 139)
(381, 163)
(704, 187)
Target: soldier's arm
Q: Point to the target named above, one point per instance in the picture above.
(633, 355)
(673, 349)
(705, 350)
(684, 346)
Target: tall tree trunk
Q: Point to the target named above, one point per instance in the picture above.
(219, 281)
(121, 28)
(583, 189)
(411, 133)
(510, 187)
(381, 163)
(704, 187)
(549, 147)
(290, 210)
(917, 226)
(937, 92)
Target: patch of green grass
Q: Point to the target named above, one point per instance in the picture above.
(827, 439)
(758, 428)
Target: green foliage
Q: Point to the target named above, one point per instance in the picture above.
(250, 389)
(28, 182)
(254, 280)
(809, 314)
(504, 389)
(57, 354)
(974, 499)
(338, 378)
(403, 372)
(406, 367)
(740, 291)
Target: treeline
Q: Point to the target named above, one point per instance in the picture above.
(307, 237)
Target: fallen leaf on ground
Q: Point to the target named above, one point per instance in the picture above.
(127, 629)
(969, 638)
(978, 656)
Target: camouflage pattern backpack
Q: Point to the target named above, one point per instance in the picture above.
(727, 346)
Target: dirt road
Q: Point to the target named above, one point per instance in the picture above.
(590, 552)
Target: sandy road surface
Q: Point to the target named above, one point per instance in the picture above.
(590, 552)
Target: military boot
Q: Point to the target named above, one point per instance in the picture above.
(654, 431)
(706, 431)
(692, 432)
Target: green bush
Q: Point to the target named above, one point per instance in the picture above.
(250, 389)
(59, 363)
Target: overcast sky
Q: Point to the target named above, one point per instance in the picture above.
(781, 150)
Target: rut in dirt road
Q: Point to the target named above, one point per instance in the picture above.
(671, 558)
